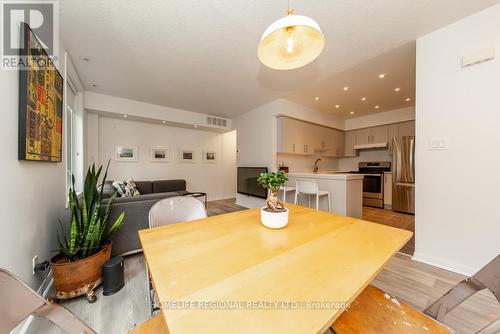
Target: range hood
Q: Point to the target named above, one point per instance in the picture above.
(371, 145)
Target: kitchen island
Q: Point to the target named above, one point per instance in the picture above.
(346, 192)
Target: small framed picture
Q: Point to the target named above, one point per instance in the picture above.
(160, 154)
(126, 153)
(186, 156)
(209, 156)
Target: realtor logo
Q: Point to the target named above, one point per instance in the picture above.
(41, 16)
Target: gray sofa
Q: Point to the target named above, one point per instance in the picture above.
(126, 240)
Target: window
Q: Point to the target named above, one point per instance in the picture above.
(73, 138)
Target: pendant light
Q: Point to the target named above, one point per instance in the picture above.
(291, 42)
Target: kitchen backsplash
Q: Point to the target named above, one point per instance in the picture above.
(305, 163)
(348, 164)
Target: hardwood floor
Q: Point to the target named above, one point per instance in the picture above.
(415, 283)
(394, 219)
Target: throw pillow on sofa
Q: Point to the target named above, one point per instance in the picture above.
(132, 187)
(126, 189)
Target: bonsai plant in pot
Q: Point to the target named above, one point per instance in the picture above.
(274, 214)
(84, 249)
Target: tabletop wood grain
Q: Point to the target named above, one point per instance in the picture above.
(230, 274)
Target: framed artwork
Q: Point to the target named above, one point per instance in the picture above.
(186, 156)
(210, 156)
(40, 103)
(126, 153)
(160, 154)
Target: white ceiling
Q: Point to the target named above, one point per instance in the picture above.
(367, 93)
(201, 55)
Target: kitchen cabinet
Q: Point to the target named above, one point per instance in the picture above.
(407, 129)
(350, 141)
(292, 136)
(393, 133)
(378, 134)
(298, 137)
(336, 143)
(363, 136)
(387, 189)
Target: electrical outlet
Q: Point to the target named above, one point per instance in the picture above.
(34, 263)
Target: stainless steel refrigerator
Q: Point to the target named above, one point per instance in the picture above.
(403, 174)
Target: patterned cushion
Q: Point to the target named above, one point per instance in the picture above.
(126, 189)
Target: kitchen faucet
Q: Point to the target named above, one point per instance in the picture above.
(316, 167)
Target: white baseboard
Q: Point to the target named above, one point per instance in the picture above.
(444, 264)
(43, 291)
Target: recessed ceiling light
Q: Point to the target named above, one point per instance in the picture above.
(337, 106)
(408, 99)
(317, 98)
(376, 107)
(164, 122)
(346, 88)
(196, 126)
(363, 99)
(125, 116)
(397, 89)
(381, 75)
(352, 113)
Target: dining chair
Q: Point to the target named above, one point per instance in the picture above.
(155, 325)
(376, 312)
(310, 188)
(176, 209)
(286, 189)
(170, 211)
(18, 301)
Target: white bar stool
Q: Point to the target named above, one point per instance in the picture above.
(284, 190)
(310, 187)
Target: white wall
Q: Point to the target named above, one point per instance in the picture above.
(217, 179)
(457, 200)
(33, 194)
(117, 105)
(387, 117)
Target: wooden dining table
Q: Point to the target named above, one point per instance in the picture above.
(230, 274)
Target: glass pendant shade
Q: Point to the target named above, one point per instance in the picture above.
(291, 42)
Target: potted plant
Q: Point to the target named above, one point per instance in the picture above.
(77, 269)
(274, 214)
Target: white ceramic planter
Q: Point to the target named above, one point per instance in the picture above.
(274, 219)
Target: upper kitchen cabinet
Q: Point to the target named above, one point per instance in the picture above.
(335, 143)
(296, 137)
(363, 136)
(406, 129)
(350, 141)
(378, 134)
(299, 137)
(393, 133)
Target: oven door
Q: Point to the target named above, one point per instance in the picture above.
(373, 186)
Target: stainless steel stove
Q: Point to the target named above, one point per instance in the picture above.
(373, 182)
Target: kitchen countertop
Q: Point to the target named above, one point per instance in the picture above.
(333, 175)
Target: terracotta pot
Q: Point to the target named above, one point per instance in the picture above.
(73, 279)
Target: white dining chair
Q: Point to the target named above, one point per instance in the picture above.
(170, 211)
(310, 188)
(284, 190)
(176, 209)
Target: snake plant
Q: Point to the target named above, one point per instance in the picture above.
(89, 229)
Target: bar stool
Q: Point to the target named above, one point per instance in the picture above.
(284, 190)
(310, 187)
